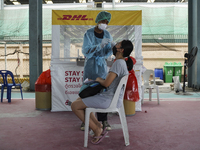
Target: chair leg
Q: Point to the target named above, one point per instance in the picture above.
(21, 92)
(157, 89)
(9, 94)
(142, 100)
(124, 125)
(150, 93)
(87, 118)
(2, 90)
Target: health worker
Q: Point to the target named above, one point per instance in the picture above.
(97, 47)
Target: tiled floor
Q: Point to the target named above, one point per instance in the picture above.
(172, 125)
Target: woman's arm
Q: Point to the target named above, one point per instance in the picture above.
(109, 79)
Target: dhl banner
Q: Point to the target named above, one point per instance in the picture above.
(87, 17)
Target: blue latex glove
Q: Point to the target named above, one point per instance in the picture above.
(104, 42)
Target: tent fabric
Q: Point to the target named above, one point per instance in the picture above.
(67, 41)
(171, 21)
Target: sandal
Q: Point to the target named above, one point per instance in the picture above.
(101, 137)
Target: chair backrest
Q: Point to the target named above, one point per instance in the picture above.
(147, 75)
(5, 74)
(122, 84)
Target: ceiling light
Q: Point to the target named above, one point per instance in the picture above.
(16, 3)
(82, 1)
(150, 1)
(49, 2)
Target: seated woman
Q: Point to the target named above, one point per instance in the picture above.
(103, 100)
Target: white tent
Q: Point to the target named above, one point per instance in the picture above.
(68, 28)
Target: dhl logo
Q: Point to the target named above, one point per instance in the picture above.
(75, 17)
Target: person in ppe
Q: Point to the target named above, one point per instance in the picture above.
(97, 47)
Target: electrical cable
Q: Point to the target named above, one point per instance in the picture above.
(18, 64)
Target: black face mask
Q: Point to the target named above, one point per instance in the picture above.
(114, 49)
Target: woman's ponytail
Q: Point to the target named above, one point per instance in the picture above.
(129, 64)
(128, 48)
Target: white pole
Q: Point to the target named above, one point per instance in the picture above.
(5, 57)
(113, 3)
(1, 4)
(78, 53)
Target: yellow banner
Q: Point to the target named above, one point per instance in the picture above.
(87, 17)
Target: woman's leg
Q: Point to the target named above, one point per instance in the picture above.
(78, 107)
(92, 116)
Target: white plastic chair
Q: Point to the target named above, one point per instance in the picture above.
(146, 85)
(112, 108)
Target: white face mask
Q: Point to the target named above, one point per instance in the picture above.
(102, 26)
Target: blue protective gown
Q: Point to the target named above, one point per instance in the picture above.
(95, 56)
